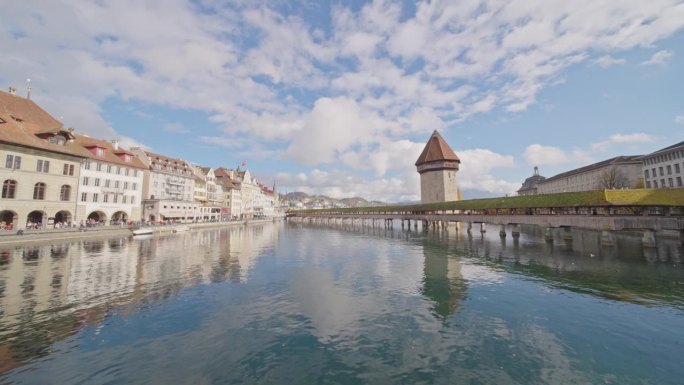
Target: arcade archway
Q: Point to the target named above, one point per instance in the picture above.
(8, 218)
(120, 216)
(63, 216)
(97, 216)
(35, 217)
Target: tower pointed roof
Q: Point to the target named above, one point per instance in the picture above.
(436, 149)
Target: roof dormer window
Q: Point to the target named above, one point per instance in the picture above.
(99, 151)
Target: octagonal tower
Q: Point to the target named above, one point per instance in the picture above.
(437, 166)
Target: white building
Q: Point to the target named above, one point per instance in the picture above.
(232, 192)
(625, 169)
(111, 183)
(168, 188)
(664, 168)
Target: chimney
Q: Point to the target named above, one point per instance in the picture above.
(71, 130)
(115, 143)
(12, 90)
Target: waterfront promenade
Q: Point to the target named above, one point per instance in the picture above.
(46, 235)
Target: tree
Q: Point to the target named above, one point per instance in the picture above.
(613, 178)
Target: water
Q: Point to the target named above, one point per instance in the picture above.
(286, 304)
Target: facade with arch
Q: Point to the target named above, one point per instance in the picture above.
(37, 158)
(111, 181)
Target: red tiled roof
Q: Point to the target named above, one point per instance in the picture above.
(436, 149)
(109, 154)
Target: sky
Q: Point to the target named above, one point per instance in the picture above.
(339, 97)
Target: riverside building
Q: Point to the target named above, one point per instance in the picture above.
(167, 188)
(39, 166)
(111, 183)
(619, 172)
(664, 168)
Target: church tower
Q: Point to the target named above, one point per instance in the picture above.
(437, 166)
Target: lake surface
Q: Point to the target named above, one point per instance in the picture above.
(293, 304)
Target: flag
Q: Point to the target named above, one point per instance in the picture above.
(244, 163)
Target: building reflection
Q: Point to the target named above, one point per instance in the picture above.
(443, 281)
(49, 292)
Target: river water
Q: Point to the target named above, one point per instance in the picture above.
(292, 304)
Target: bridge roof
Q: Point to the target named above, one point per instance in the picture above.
(436, 149)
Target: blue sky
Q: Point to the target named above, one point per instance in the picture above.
(339, 97)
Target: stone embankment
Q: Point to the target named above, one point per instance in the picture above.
(47, 235)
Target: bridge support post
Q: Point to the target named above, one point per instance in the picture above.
(515, 232)
(483, 227)
(607, 238)
(502, 231)
(649, 238)
(548, 235)
(469, 227)
(567, 234)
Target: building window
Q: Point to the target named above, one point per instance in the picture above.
(662, 183)
(646, 174)
(648, 184)
(39, 191)
(670, 182)
(135, 173)
(71, 170)
(85, 181)
(86, 164)
(127, 169)
(661, 170)
(677, 168)
(84, 197)
(107, 183)
(116, 198)
(118, 170)
(116, 184)
(9, 189)
(125, 185)
(95, 196)
(679, 181)
(135, 186)
(669, 170)
(65, 193)
(13, 162)
(98, 166)
(133, 197)
(109, 168)
(105, 198)
(97, 182)
(655, 184)
(123, 199)
(39, 165)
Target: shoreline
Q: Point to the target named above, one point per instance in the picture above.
(52, 235)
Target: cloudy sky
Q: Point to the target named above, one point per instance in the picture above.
(339, 97)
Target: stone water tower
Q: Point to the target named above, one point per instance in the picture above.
(437, 166)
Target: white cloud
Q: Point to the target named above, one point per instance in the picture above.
(371, 82)
(540, 155)
(659, 58)
(177, 128)
(608, 61)
(679, 119)
(637, 137)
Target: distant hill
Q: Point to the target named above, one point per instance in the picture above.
(300, 199)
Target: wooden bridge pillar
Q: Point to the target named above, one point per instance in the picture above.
(469, 227)
(483, 227)
(649, 238)
(567, 234)
(607, 238)
(515, 232)
(548, 235)
(502, 231)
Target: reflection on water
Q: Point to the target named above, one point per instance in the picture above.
(298, 304)
(49, 292)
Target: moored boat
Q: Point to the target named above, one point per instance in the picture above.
(143, 231)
